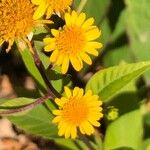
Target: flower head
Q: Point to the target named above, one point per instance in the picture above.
(16, 20)
(50, 6)
(77, 111)
(73, 42)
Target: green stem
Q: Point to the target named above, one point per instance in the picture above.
(86, 141)
(81, 5)
(42, 71)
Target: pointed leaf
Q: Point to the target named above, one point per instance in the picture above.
(106, 83)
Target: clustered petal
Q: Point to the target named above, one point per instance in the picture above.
(16, 20)
(77, 111)
(49, 7)
(73, 42)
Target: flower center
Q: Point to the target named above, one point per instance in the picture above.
(71, 40)
(15, 18)
(59, 5)
(75, 111)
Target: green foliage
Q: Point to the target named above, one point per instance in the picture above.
(15, 102)
(138, 28)
(106, 83)
(125, 56)
(125, 132)
(37, 121)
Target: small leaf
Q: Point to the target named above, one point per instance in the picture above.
(126, 131)
(37, 122)
(106, 83)
(15, 102)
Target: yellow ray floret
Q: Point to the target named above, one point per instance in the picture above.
(49, 7)
(77, 111)
(74, 42)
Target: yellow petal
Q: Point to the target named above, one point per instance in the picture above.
(67, 91)
(88, 93)
(60, 102)
(73, 132)
(40, 11)
(81, 130)
(88, 128)
(68, 19)
(86, 58)
(37, 2)
(56, 119)
(1, 42)
(94, 44)
(56, 112)
(73, 17)
(60, 59)
(54, 56)
(68, 132)
(91, 51)
(49, 47)
(49, 12)
(81, 19)
(54, 32)
(93, 34)
(62, 129)
(76, 63)
(65, 65)
(48, 40)
(76, 91)
(94, 123)
(86, 25)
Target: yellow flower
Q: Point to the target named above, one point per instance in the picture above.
(50, 6)
(16, 20)
(73, 42)
(77, 111)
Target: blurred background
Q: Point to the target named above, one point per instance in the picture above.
(125, 26)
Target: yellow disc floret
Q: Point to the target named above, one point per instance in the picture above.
(77, 111)
(49, 7)
(16, 20)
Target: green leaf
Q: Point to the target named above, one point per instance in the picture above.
(96, 9)
(146, 120)
(123, 148)
(126, 131)
(106, 83)
(12, 103)
(118, 55)
(138, 28)
(146, 144)
(98, 141)
(120, 27)
(37, 122)
(67, 144)
(106, 32)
